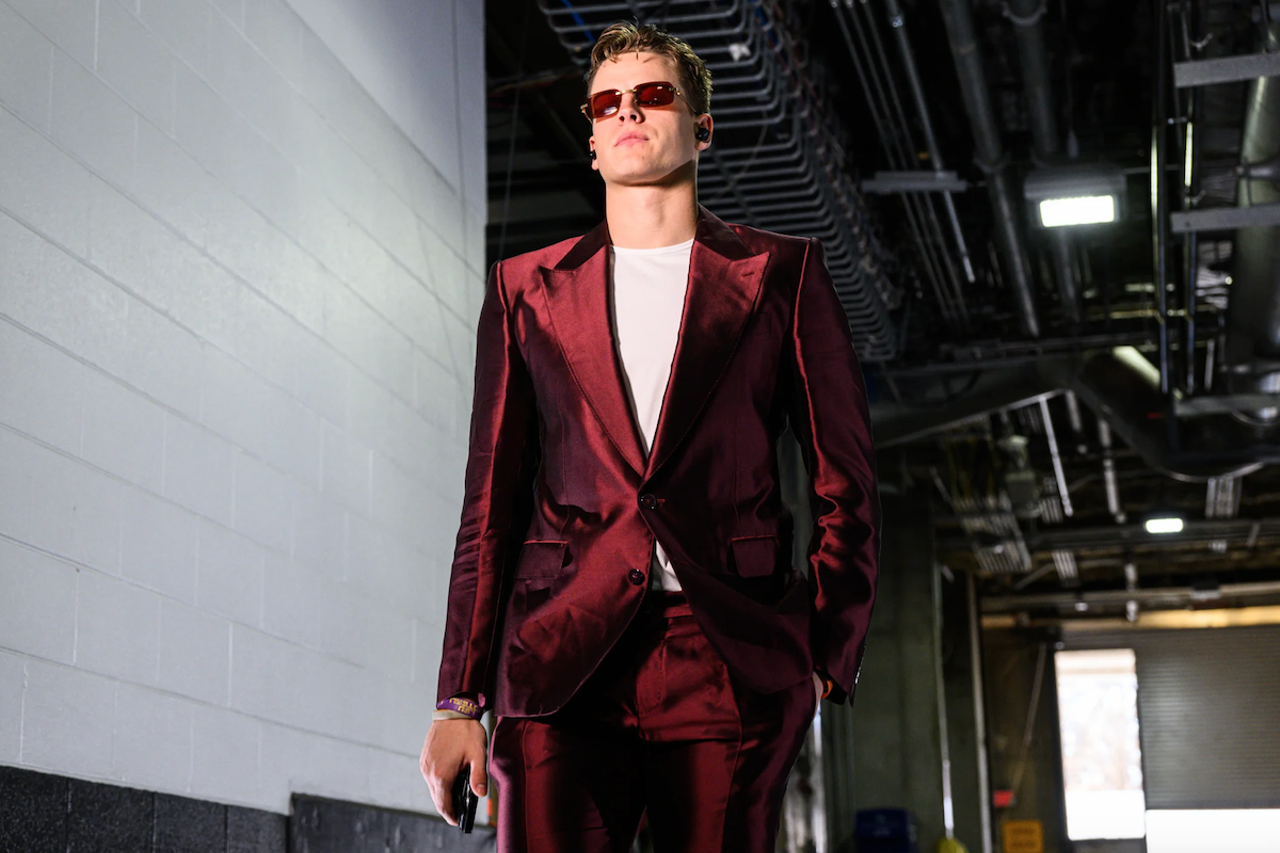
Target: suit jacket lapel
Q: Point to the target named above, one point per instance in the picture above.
(724, 284)
(577, 296)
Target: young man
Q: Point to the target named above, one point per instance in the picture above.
(622, 595)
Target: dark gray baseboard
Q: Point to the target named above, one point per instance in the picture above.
(47, 813)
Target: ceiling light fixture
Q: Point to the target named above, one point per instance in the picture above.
(1075, 194)
(1158, 524)
(1080, 210)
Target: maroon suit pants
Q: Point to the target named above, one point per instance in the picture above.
(660, 725)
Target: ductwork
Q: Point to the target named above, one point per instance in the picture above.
(1028, 17)
(1120, 386)
(958, 18)
(902, 423)
(1123, 388)
(1253, 310)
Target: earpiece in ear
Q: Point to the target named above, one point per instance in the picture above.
(702, 134)
(593, 154)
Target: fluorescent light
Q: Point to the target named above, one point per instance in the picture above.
(1081, 210)
(1170, 524)
(1075, 194)
(1186, 171)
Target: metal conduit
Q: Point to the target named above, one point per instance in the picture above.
(1027, 17)
(958, 19)
(898, 21)
(776, 161)
(897, 160)
(924, 208)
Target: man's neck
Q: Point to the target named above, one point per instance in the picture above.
(651, 217)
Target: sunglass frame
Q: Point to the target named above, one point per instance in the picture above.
(592, 117)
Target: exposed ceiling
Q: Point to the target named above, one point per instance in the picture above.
(959, 369)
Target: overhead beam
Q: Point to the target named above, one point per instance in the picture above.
(1002, 355)
(1236, 531)
(1192, 407)
(1239, 532)
(886, 183)
(1167, 597)
(1225, 218)
(1227, 69)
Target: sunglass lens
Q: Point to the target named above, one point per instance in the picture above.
(605, 103)
(654, 94)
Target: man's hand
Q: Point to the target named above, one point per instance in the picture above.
(818, 685)
(449, 745)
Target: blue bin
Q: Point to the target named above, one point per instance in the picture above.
(886, 831)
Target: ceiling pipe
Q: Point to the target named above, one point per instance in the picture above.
(1028, 22)
(1109, 480)
(958, 18)
(1159, 154)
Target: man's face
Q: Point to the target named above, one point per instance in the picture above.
(643, 145)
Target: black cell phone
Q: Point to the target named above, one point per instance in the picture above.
(464, 799)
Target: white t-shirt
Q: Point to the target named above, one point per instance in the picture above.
(648, 304)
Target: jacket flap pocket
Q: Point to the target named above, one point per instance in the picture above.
(541, 558)
(754, 556)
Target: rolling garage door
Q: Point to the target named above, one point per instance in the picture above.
(1209, 714)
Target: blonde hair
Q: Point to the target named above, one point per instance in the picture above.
(624, 37)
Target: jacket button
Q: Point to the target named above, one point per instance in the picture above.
(648, 501)
(635, 576)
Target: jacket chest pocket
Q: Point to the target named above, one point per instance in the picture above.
(542, 558)
(754, 556)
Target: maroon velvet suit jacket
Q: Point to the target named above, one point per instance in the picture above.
(561, 504)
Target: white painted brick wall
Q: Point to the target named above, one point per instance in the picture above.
(151, 739)
(117, 628)
(12, 674)
(67, 719)
(241, 259)
(39, 596)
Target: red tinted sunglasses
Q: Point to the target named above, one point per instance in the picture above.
(606, 103)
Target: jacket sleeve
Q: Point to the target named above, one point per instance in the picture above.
(828, 414)
(502, 458)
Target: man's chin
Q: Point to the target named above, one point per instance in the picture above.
(652, 177)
